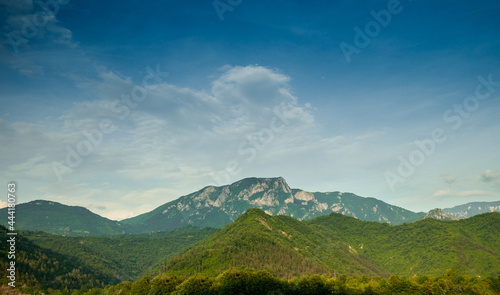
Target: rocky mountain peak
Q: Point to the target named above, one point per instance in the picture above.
(216, 206)
(255, 185)
(280, 183)
(439, 214)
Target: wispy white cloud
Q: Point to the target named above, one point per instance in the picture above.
(448, 193)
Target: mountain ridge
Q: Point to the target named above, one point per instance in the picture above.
(472, 208)
(217, 206)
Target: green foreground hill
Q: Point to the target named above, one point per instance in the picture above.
(283, 245)
(468, 246)
(338, 244)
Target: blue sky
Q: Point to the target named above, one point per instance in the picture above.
(121, 106)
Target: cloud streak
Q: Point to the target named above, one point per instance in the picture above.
(447, 193)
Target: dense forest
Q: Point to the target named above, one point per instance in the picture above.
(243, 282)
(41, 269)
(263, 254)
(344, 245)
(128, 257)
(47, 262)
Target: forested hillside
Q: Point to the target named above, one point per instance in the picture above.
(469, 246)
(338, 244)
(45, 261)
(247, 282)
(126, 257)
(326, 248)
(280, 244)
(45, 269)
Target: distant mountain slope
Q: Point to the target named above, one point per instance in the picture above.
(217, 206)
(367, 209)
(338, 244)
(59, 219)
(474, 208)
(281, 244)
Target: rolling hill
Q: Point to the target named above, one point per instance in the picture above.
(344, 245)
(429, 246)
(280, 244)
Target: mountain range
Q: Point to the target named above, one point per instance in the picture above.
(332, 245)
(216, 207)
